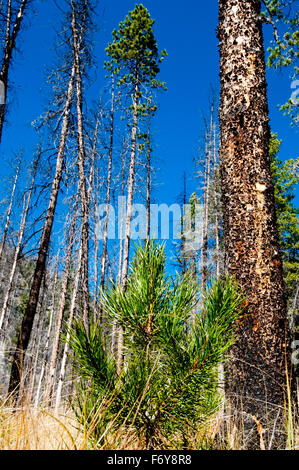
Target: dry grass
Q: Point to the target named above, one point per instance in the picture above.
(36, 429)
(28, 428)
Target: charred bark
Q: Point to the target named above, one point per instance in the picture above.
(256, 378)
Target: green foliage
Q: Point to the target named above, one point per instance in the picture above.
(134, 56)
(134, 50)
(168, 385)
(283, 51)
(285, 177)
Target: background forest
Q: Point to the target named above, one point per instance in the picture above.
(104, 107)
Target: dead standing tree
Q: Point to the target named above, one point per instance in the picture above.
(81, 23)
(8, 214)
(14, 17)
(27, 323)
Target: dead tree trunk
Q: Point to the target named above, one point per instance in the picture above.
(81, 168)
(109, 176)
(148, 181)
(205, 234)
(9, 210)
(257, 377)
(26, 327)
(121, 225)
(3, 316)
(121, 245)
(216, 208)
(93, 184)
(10, 44)
(69, 323)
(44, 364)
(61, 307)
(127, 240)
(126, 251)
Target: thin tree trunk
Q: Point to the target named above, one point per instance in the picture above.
(126, 252)
(81, 168)
(109, 175)
(96, 252)
(148, 181)
(217, 210)
(61, 307)
(121, 227)
(204, 251)
(257, 379)
(46, 350)
(3, 319)
(10, 44)
(9, 210)
(28, 369)
(121, 244)
(25, 331)
(69, 323)
(127, 240)
(93, 182)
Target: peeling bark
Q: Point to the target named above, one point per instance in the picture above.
(256, 379)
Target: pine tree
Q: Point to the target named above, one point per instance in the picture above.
(169, 385)
(135, 62)
(256, 381)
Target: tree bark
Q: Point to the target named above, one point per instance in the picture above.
(257, 376)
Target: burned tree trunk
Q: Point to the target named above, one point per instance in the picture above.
(26, 327)
(10, 44)
(257, 377)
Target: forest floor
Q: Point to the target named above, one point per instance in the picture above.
(29, 428)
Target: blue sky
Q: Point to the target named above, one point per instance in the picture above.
(187, 30)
